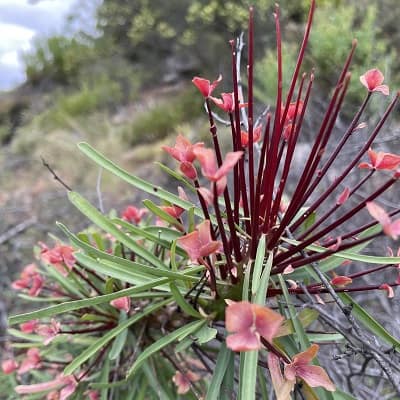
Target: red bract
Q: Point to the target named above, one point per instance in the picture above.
(209, 166)
(381, 160)
(49, 331)
(373, 80)
(32, 361)
(122, 303)
(291, 113)
(60, 256)
(183, 149)
(343, 196)
(9, 366)
(341, 281)
(301, 368)
(247, 323)
(244, 136)
(225, 103)
(205, 86)
(29, 326)
(183, 381)
(388, 289)
(133, 214)
(390, 228)
(67, 384)
(199, 243)
(29, 279)
(176, 211)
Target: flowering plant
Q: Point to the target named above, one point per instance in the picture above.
(222, 290)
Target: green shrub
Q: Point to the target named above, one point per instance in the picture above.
(162, 119)
(57, 59)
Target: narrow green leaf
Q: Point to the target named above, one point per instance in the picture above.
(261, 294)
(182, 303)
(161, 343)
(134, 180)
(78, 304)
(369, 322)
(102, 222)
(349, 255)
(205, 334)
(120, 340)
(98, 344)
(258, 266)
(248, 375)
(155, 237)
(156, 210)
(224, 356)
(298, 328)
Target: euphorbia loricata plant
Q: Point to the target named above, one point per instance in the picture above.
(224, 289)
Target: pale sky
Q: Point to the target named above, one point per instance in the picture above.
(20, 22)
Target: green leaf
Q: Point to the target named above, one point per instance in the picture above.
(120, 340)
(298, 327)
(366, 319)
(339, 395)
(124, 265)
(348, 255)
(261, 294)
(153, 237)
(156, 210)
(248, 375)
(306, 316)
(102, 222)
(178, 334)
(258, 266)
(223, 359)
(134, 180)
(182, 303)
(98, 344)
(205, 334)
(78, 304)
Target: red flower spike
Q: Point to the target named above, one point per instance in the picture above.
(133, 214)
(389, 290)
(122, 303)
(381, 161)
(205, 86)
(9, 366)
(313, 375)
(390, 228)
(373, 80)
(199, 242)
(341, 281)
(244, 136)
(247, 322)
(343, 196)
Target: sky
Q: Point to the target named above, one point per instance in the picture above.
(20, 22)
